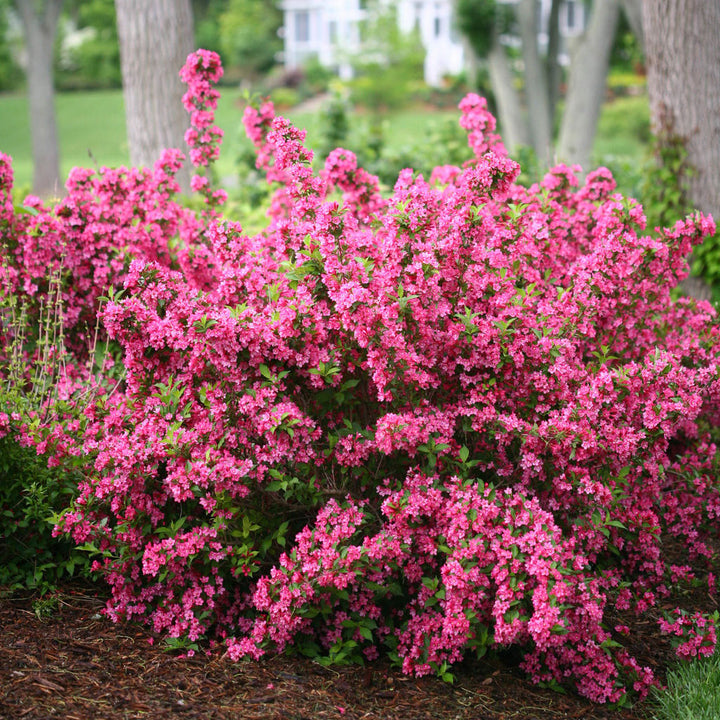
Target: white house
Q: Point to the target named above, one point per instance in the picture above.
(444, 53)
(330, 31)
(326, 29)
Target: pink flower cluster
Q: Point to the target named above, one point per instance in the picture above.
(459, 418)
(200, 72)
(695, 634)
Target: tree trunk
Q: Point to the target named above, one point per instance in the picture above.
(683, 62)
(513, 123)
(40, 25)
(633, 13)
(536, 86)
(156, 36)
(472, 62)
(683, 58)
(586, 86)
(553, 70)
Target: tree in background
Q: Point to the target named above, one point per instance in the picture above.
(156, 36)
(206, 16)
(683, 65)
(248, 34)
(587, 84)
(10, 71)
(40, 20)
(530, 120)
(95, 62)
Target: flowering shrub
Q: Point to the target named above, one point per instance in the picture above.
(459, 418)
(695, 635)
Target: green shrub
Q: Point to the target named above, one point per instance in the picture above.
(11, 74)
(666, 200)
(95, 63)
(390, 68)
(626, 116)
(285, 97)
(32, 493)
(31, 497)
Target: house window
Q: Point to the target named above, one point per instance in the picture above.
(570, 14)
(333, 31)
(302, 26)
(418, 15)
(438, 25)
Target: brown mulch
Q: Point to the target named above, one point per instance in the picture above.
(77, 665)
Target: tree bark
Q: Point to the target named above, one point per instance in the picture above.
(39, 22)
(536, 86)
(683, 58)
(683, 63)
(513, 123)
(156, 36)
(553, 70)
(586, 86)
(633, 13)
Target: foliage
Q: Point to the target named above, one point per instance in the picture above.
(248, 35)
(206, 15)
(285, 97)
(477, 20)
(390, 64)
(627, 118)
(31, 497)
(666, 199)
(95, 62)
(627, 52)
(336, 122)
(664, 193)
(315, 77)
(443, 142)
(464, 417)
(10, 72)
(32, 494)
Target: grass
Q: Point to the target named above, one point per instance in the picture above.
(624, 128)
(693, 692)
(91, 127)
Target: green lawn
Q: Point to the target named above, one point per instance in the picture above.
(91, 126)
(92, 130)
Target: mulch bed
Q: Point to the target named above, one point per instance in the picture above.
(77, 665)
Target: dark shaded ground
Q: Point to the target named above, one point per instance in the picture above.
(77, 665)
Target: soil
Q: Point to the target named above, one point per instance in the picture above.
(77, 665)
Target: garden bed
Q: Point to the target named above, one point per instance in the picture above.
(76, 665)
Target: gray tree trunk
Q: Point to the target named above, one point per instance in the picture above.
(554, 73)
(156, 37)
(39, 22)
(683, 62)
(586, 86)
(513, 123)
(536, 86)
(633, 13)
